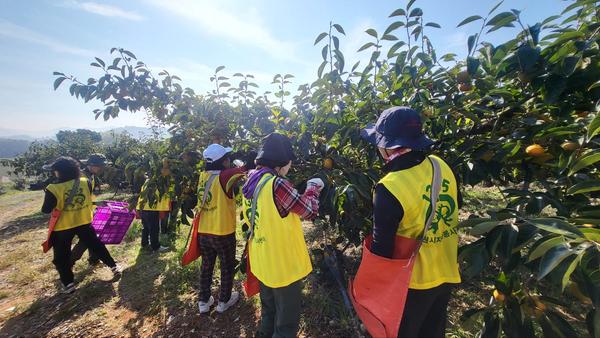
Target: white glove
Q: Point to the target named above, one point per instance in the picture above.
(316, 183)
(238, 163)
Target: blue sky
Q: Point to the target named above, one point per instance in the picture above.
(192, 37)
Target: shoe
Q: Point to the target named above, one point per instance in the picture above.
(161, 249)
(204, 307)
(222, 307)
(116, 270)
(68, 289)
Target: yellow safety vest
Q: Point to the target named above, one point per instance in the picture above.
(437, 261)
(277, 250)
(79, 211)
(162, 203)
(218, 213)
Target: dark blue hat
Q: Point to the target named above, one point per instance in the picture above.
(397, 127)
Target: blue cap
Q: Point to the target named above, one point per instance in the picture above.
(397, 127)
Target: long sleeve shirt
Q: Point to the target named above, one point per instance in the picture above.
(288, 199)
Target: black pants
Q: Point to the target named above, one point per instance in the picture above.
(61, 244)
(280, 310)
(78, 250)
(212, 246)
(150, 228)
(425, 312)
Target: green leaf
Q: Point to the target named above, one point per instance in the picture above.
(572, 265)
(394, 48)
(100, 62)
(540, 249)
(552, 259)
(495, 7)
(555, 225)
(585, 160)
(472, 65)
(372, 32)
(416, 12)
(220, 68)
(389, 37)
(594, 85)
(393, 26)
(365, 46)
(321, 68)
(130, 54)
(397, 12)
(58, 81)
(483, 228)
(471, 42)
(339, 28)
(324, 51)
(319, 38)
(433, 24)
(527, 57)
(501, 19)
(594, 127)
(549, 19)
(583, 187)
(469, 19)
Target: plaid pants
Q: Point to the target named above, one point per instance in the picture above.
(212, 246)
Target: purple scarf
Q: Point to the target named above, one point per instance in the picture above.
(253, 178)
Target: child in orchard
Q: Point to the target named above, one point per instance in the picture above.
(72, 195)
(217, 224)
(152, 212)
(277, 250)
(402, 208)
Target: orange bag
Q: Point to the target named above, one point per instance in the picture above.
(251, 285)
(378, 291)
(54, 216)
(193, 251)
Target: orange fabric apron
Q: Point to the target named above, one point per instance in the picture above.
(54, 216)
(193, 251)
(378, 291)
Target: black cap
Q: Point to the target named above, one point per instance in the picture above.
(276, 148)
(62, 163)
(96, 160)
(397, 127)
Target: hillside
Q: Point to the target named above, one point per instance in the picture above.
(12, 147)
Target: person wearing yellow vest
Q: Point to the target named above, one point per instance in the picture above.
(217, 224)
(401, 208)
(94, 166)
(151, 211)
(75, 219)
(277, 250)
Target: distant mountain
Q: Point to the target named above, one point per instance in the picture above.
(10, 148)
(18, 134)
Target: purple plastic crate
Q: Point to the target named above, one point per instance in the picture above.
(112, 221)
